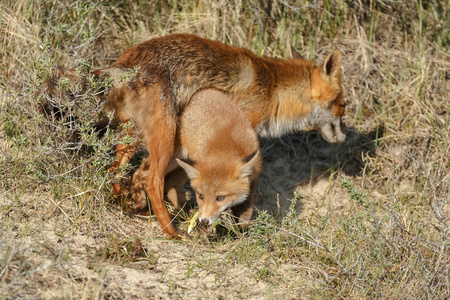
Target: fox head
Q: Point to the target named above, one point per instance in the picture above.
(221, 184)
(326, 90)
(308, 97)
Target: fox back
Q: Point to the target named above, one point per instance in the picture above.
(278, 96)
(222, 152)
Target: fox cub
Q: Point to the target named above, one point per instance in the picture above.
(219, 151)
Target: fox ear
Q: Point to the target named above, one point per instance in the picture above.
(332, 65)
(247, 169)
(191, 172)
(295, 54)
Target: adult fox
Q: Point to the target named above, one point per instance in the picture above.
(277, 96)
(220, 153)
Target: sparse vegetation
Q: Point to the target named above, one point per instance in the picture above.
(368, 218)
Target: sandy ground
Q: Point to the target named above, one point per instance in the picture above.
(50, 259)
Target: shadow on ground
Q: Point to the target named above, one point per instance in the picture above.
(301, 159)
(294, 161)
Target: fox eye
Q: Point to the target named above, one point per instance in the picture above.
(220, 198)
(200, 196)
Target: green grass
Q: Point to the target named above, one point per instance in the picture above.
(63, 236)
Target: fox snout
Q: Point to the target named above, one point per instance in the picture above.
(333, 132)
(207, 221)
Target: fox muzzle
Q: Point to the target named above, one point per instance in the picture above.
(333, 132)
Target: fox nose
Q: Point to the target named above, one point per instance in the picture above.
(204, 221)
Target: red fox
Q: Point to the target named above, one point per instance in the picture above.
(277, 96)
(223, 151)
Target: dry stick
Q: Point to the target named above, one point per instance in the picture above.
(18, 123)
(360, 33)
(13, 254)
(174, 217)
(67, 172)
(62, 210)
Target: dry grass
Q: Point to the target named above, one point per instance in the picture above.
(371, 216)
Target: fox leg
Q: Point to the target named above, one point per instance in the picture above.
(174, 183)
(124, 152)
(161, 150)
(244, 211)
(160, 139)
(138, 183)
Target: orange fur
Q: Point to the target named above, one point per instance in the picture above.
(223, 148)
(277, 96)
